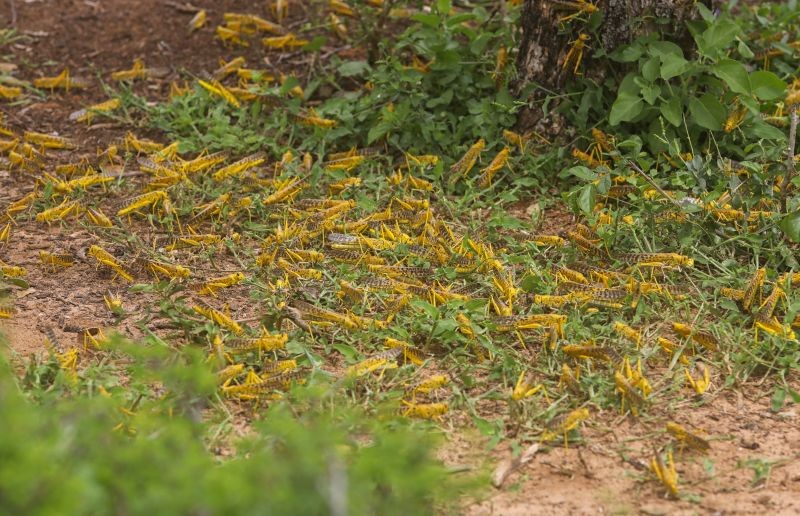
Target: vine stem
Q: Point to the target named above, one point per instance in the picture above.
(790, 168)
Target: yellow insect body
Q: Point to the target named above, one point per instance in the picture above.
(665, 472)
(629, 333)
(410, 352)
(431, 384)
(286, 190)
(700, 385)
(425, 410)
(60, 81)
(379, 361)
(287, 41)
(103, 257)
(55, 260)
(252, 22)
(215, 88)
(98, 218)
(12, 271)
(114, 303)
(137, 71)
(59, 212)
(525, 387)
(168, 270)
(231, 34)
(702, 337)
(148, 199)
(5, 233)
(465, 164)
(198, 21)
(141, 145)
(48, 141)
(753, 288)
(488, 173)
(219, 318)
(549, 240)
(265, 342)
(579, 8)
(241, 166)
(687, 438)
(211, 286)
(575, 53)
(561, 426)
(10, 92)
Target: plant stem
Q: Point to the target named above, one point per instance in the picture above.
(790, 169)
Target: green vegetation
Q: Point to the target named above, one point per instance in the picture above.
(678, 151)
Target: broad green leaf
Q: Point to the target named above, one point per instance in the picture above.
(628, 54)
(351, 68)
(629, 85)
(745, 51)
(718, 36)
(761, 129)
(586, 199)
(790, 225)
(315, 44)
(767, 85)
(625, 109)
(582, 172)
(672, 66)
(734, 74)
(665, 48)
(672, 111)
(708, 112)
(650, 93)
(651, 68)
(431, 20)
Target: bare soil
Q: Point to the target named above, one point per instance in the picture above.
(607, 473)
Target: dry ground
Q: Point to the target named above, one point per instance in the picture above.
(605, 475)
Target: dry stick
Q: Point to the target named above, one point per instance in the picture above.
(653, 184)
(13, 7)
(790, 170)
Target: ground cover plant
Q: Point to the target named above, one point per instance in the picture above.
(303, 267)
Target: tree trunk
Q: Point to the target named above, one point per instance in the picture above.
(547, 38)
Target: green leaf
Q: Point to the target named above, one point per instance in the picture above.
(767, 85)
(790, 225)
(745, 51)
(650, 93)
(352, 68)
(315, 44)
(672, 66)
(672, 111)
(19, 282)
(431, 20)
(630, 85)
(665, 48)
(718, 36)
(582, 172)
(734, 74)
(778, 399)
(628, 54)
(586, 199)
(707, 112)
(350, 354)
(378, 131)
(625, 109)
(651, 68)
(761, 129)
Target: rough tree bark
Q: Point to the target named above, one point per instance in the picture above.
(546, 40)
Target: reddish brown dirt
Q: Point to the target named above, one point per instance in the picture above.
(607, 474)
